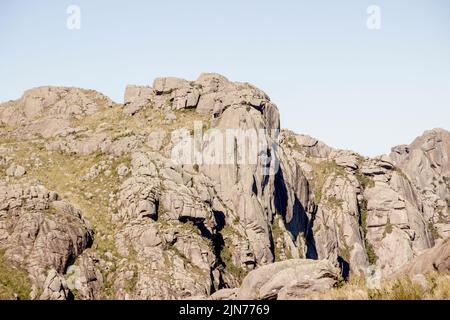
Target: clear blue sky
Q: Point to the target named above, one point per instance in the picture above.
(330, 76)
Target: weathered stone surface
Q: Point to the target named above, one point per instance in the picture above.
(426, 162)
(225, 294)
(393, 222)
(40, 233)
(122, 170)
(55, 287)
(172, 262)
(288, 280)
(135, 98)
(362, 208)
(168, 229)
(45, 111)
(431, 260)
(84, 277)
(347, 161)
(15, 171)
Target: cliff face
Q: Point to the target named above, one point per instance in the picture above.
(426, 161)
(190, 185)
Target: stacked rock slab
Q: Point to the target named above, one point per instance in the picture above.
(365, 211)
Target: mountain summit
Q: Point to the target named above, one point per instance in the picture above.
(189, 189)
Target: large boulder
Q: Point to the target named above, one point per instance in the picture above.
(288, 280)
(436, 259)
(135, 98)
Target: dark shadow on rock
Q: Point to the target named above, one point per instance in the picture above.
(311, 251)
(200, 224)
(217, 241)
(280, 194)
(299, 222)
(219, 216)
(345, 268)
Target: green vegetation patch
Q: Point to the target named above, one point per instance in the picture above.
(433, 231)
(388, 228)
(322, 171)
(14, 282)
(365, 181)
(371, 255)
(225, 254)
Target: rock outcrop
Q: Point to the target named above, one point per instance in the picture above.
(286, 280)
(191, 191)
(436, 259)
(426, 161)
(41, 234)
(363, 208)
(47, 110)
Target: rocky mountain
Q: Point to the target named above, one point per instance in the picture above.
(190, 190)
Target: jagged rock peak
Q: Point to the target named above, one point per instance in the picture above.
(211, 93)
(160, 228)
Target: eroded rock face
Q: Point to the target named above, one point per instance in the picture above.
(15, 171)
(361, 208)
(46, 111)
(244, 191)
(171, 262)
(394, 222)
(286, 280)
(84, 278)
(426, 157)
(42, 234)
(136, 97)
(171, 219)
(55, 287)
(166, 239)
(426, 162)
(436, 259)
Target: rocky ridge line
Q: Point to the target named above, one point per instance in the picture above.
(161, 230)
